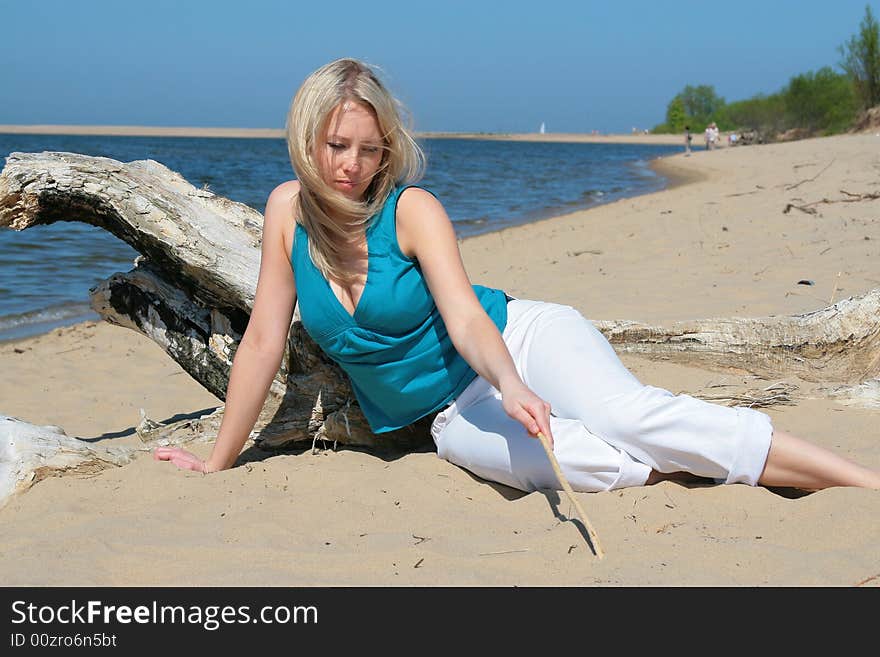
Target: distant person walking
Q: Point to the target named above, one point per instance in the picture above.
(711, 136)
(687, 140)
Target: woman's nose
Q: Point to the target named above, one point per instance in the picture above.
(350, 162)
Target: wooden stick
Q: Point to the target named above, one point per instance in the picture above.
(594, 539)
(833, 292)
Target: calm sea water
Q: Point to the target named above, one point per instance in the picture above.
(46, 271)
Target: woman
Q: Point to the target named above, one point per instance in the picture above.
(375, 265)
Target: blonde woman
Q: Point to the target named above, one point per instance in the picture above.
(374, 263)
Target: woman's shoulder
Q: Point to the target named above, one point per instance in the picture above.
(413, 199)
(419, 213)
(283, 194)
(279, 211)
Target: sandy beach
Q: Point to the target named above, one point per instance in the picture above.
(717, 243)
(141, 131)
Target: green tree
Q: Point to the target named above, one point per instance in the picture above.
(676, 117)
(821, 101)
(861, 60)
(762, 113)
(700, 103)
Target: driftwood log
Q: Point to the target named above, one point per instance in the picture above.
(192, 288)
(29, 453)
(840, 343)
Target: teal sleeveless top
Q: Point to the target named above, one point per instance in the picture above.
(395, 347)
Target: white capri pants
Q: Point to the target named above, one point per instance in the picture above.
(609, 430)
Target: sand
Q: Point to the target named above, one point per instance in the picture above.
(141, 131)
(716, 244)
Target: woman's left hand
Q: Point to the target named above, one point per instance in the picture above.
(528, 409)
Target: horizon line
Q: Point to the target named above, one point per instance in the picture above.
(279, 133)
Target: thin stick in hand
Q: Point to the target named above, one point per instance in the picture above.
(594, 539)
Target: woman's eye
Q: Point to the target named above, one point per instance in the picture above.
(372, 150)
(335, 146)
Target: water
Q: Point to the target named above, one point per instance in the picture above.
(46, 271)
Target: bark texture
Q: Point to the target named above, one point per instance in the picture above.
(840, 343)
(29, 453)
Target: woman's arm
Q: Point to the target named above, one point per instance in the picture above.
(426, 233)
(259, 353)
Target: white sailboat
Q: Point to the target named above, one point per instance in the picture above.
(542, 129)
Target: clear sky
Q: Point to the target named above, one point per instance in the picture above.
(472, 65)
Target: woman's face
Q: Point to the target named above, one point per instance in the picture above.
(351, 152)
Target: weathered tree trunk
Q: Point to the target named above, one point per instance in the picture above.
(840, 343)
(192, 290)
(29, 453)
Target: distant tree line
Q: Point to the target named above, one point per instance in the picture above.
(822, 102)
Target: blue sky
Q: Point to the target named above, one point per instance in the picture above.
(459, 66)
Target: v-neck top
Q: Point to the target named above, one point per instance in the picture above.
(395, 347)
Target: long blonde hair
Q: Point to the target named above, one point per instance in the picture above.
(403, 160)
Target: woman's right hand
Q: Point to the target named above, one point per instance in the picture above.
(523, 405)
(181, 458)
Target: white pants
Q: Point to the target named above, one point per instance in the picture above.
(609, 430)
